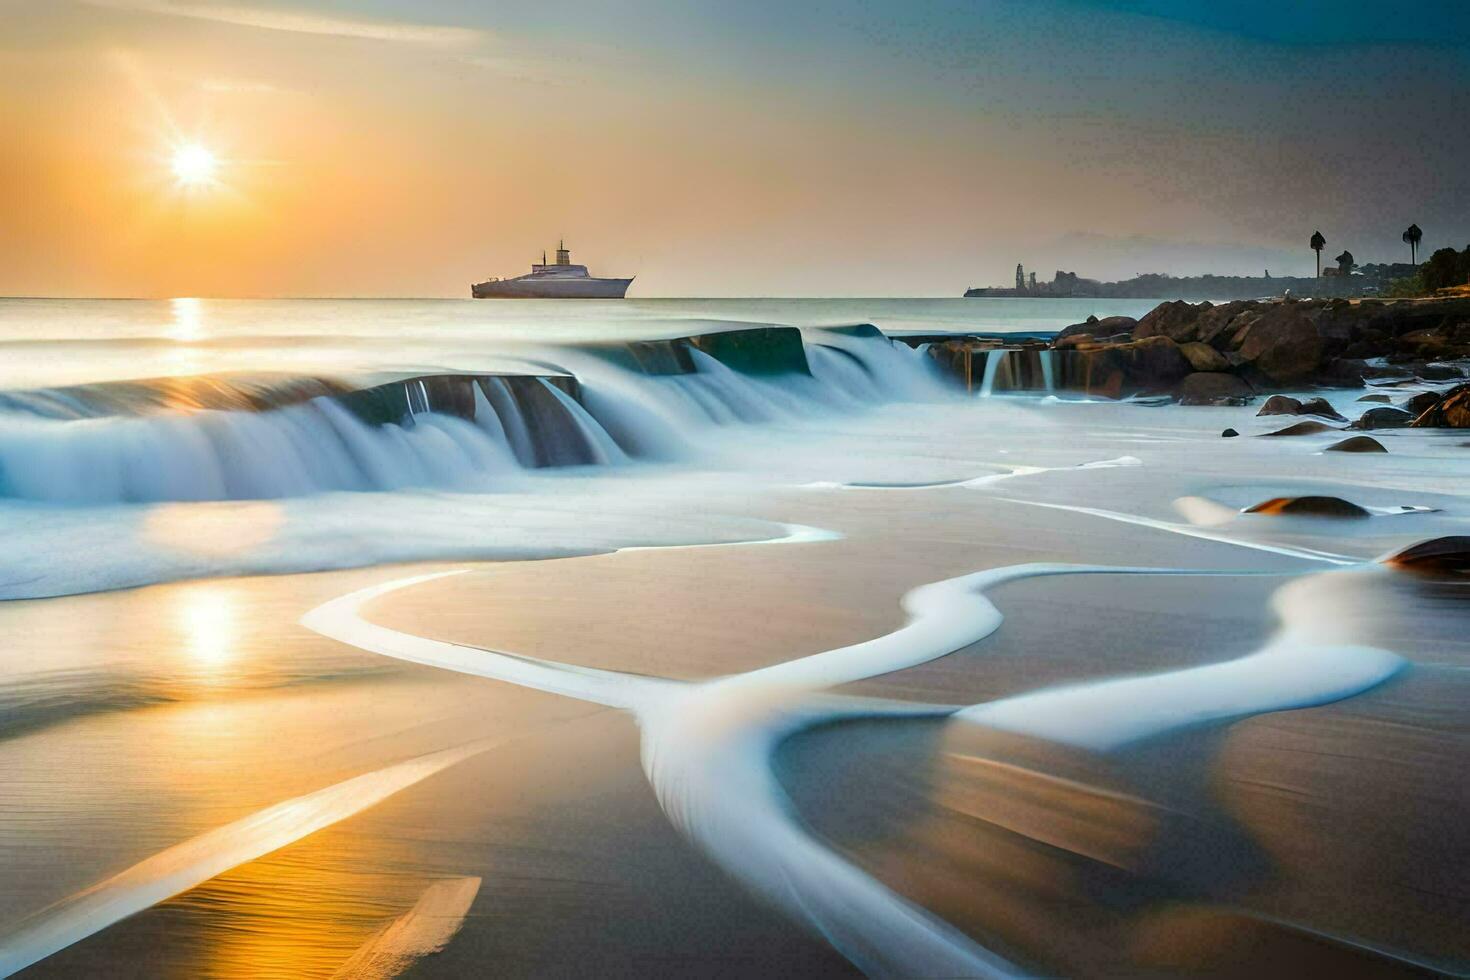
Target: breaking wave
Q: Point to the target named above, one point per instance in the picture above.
(228, 438)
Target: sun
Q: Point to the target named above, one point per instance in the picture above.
(194, 165)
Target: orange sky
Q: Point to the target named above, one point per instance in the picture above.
(407, 149)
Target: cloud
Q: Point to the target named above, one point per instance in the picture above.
(303, 22)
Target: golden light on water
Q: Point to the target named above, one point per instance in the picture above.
(185, 320)
(194, 165)
(206, 617)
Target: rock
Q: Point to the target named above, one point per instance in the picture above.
(1356, 444)
(1116, 369)
(1421, 403)
(1309, 507)
(1376, 398)
(1215, 324)
(1239, 329)
(1282, 344)
(1106, 327)
(1280, 405)
(1321, 408)
(1287, 405)
(1203, 357)
(1384, 417)
(1176, 320)
(1072, 340)
(1440, 372)
(1112, 326)
(1213, 388)
(1308, 428)
(1437, 556)
(1452, 411)
(1155, 361)
(1229, 434)
(1344, 372)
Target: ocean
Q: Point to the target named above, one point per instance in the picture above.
(443, 638)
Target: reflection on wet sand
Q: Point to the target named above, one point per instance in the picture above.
(183, 866)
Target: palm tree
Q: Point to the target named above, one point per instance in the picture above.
(1412, 235)
(1318, 244)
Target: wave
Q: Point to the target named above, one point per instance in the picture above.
(245, 438)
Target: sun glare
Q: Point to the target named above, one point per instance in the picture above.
(194, 165)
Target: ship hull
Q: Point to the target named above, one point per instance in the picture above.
(547, 288)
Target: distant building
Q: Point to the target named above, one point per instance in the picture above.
(1020, 277)
(1031, 284)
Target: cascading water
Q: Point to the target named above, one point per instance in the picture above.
(993, 362)
(453, 432)
(605, 450)
(1048, 375)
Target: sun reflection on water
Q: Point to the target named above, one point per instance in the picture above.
(206, 618)
(187, 318)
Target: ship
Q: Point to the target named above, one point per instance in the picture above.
(557, 280)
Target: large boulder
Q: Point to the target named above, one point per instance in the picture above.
(1214, 324)
(1282, 344)
(1154, 362)
(1213, 388)
(1452, 411)
(1356, 444)
(1384, 417)
(1174, 320)
(1117, 369)
(1203, 357)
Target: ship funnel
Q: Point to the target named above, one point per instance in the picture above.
(563, 257)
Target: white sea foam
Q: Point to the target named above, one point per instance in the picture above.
(340, 619)
(1192, 531)
(1009, 471)
(424, 929)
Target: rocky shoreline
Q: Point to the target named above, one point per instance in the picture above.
(1232, 353)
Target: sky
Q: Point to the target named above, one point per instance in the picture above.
(760, 148)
